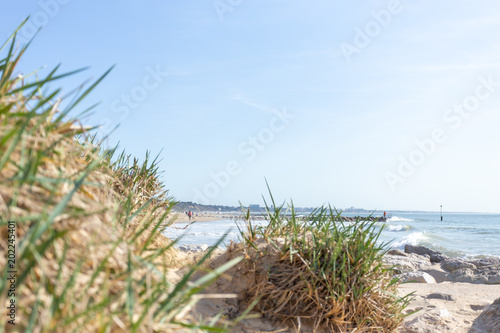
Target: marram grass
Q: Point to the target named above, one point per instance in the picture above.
(90, 253)
(317, 274)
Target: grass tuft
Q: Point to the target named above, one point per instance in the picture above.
(318, 272)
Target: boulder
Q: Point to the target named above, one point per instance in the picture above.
(436, 272)
(194, 248)
(418, 277)
(487, 275)
(453, 264)
(423, 251)
(490, 261)
(489, 320)
(406, 263)
(396, 252)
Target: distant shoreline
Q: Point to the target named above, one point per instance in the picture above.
(214, 209)
(208, 217)
(183, 218)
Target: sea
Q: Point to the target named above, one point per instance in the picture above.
(458, 235)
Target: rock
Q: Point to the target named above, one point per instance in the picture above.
(194, 248)
(418, 250)
(487, 275)
(443, 313)
(490, 261)
(453, 264)
(462, 275)
(421, 250)
(406, 263)
(489, 320)
(437, 273)
(418, 277)
(396, 252)
(442, 296)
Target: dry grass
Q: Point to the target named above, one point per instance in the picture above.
(319, 275)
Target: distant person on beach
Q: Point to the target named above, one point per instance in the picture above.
(190, 214)
(384, 215)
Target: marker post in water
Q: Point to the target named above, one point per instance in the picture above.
(441, 212)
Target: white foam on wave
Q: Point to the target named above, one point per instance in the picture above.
(413, 239)
(398, 219)
(398, 227)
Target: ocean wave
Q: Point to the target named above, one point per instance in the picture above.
(414, 238)
(398, 219)
(397, 227)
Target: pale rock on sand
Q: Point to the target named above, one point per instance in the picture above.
(419, 277)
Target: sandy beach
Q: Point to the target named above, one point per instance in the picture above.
(449, 296)
(446, 306)
(437, 303)
(183, 218)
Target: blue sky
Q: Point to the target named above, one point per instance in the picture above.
(381, 104)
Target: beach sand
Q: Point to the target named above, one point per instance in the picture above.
(446, 306)
(443, 306)
(435, 307)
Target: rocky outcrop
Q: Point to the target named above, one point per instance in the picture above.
(454, 307)
(490, 261)
(423, 251)
(485, 274)
(420, 259)
(404, 263)
(396, 252)
(415, 264)
(194, 247)
(489, 320)
(409, 267)
(454, 264)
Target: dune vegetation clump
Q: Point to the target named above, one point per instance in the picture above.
(90, 253)
(316, 274)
